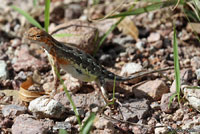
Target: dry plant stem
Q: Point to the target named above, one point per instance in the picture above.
(173, 8)
(128, 122)
(193, 8)
(109, 14)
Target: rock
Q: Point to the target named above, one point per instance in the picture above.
(198, 73)
(153, 89)
(26, 61)
(84, 35)
(130, 50)
(105, 59)
(73, 85)
(81, 100)
(135, 109)
(173, 87)
(186, 76)
(192, 126)
(3, 70)
(72, 120)
(62, 125)
(160, 130)
(13, 110)
(57, 13)
(153, 37)
(21, 76)
(105, 131)
(155, 105)
(44, 108)
(164, 105)
(157, 45)
(136, 130)
(48, 87)
(81, 112)
(178, 115)
(131, 68)
(123, 40)
(27, 124)
(193, 97)
(195, 62)
(15, 43)
(94, 108)
(140, 45)
(102, 123)
(104, 25)
(73, 11)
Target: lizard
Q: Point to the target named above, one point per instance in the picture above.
(78, 63)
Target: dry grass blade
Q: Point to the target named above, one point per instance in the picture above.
(127, 26)
(195, 27)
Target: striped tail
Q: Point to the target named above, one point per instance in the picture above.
(111, 76)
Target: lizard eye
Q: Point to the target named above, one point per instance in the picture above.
(38, 36)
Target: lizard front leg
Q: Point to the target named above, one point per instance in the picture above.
(54, 67)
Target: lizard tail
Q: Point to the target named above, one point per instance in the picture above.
(111, 76)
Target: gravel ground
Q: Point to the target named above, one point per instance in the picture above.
(144, 102)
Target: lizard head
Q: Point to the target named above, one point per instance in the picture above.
(36, 34)
(39, 36)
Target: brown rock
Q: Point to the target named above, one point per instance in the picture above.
(195, 62)
(81, 100)
(84, 35)
(178, 115)
(102, 123)
(27, 124)
(152, 89)
(153, 37)
(26, 61)
(186, 76)
(72, 84)
(135, 109)
(164, 105)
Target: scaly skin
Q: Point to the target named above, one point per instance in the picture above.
(76, 62)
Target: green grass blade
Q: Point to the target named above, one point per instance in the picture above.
(114, 86)
(152, 7)
(171, 99)
(176, 65)
(27, 16)
(64, 35)
(110, 30)
(68, 96)
(88, 124)
(35, 3)
(107, 33)
(62, 131)
(46, 15)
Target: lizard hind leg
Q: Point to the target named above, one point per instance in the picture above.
(101, 83)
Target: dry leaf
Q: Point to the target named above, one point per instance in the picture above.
(195, 27)
(26, 95)
(13, 93)
(128, 27)
(27, 83)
